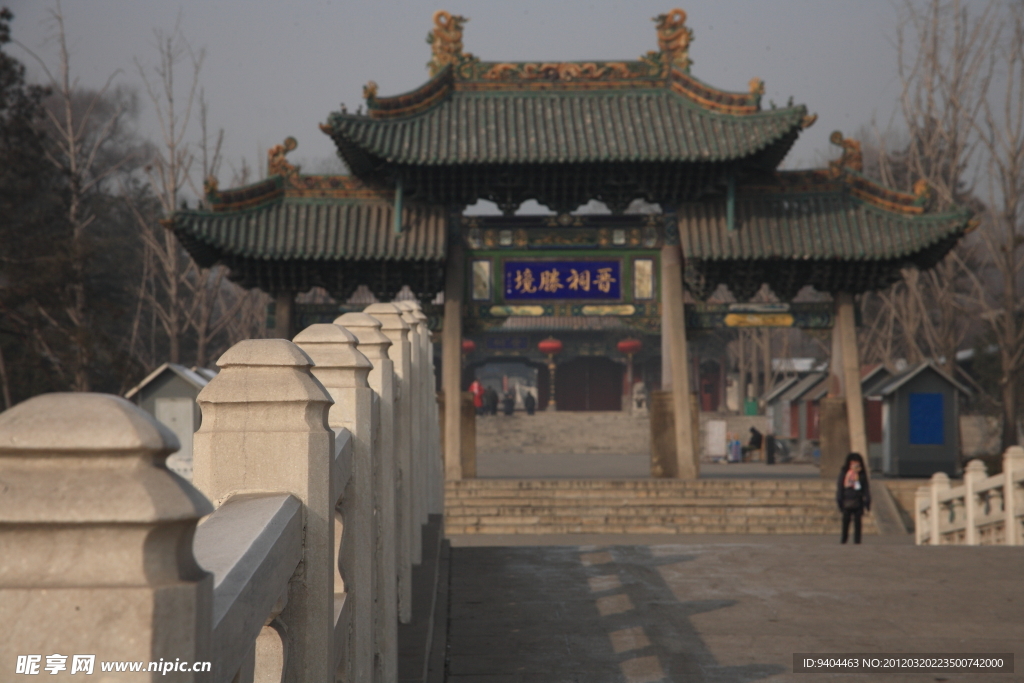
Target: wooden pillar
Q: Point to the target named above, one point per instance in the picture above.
(677, 372)
(451, 358)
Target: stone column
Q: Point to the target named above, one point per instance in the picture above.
(375, 346)
(344, 370)
(451, 359)
(846, 330)
(284, 316)
(396, 329)
(1013, 465)
(265, 429)
(96, 538)
(673, 326)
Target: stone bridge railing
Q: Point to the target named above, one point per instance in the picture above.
(981, 511)
(289, 559)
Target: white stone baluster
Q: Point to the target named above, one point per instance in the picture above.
(395, 327)
(344, 371)
(374, 345)
(265, 430)
(96, 538)
(939, 484)
(1013, 466)
(974, 474)
(923, 515)
(431, 467)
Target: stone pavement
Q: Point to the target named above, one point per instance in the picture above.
(701, 608)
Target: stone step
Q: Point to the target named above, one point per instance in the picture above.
(641, 528)
(722, 506)
(634, 510)
(632, 484)
(620, 498)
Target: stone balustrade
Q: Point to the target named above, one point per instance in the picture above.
(289, 556)
(982, 510)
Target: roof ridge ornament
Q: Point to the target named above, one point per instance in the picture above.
(276, 162)
(674, 39)
(445, 41)
(852, 158)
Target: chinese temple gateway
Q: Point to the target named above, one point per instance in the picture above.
(563, 134)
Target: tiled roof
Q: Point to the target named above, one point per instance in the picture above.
(310, 224)
(653, 124)
(810, 226)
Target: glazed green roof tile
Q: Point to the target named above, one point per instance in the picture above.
(559, 127)
(810, 226)
(311, 219)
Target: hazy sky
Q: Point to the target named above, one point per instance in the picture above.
(275, 69)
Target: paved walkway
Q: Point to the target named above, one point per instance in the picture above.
(724, 609)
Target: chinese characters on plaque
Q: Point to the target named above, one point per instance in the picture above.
(563, 279)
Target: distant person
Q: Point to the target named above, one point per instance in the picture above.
(509, 403)
(756, 440)
(530, 403)
(477, 390)
(639, 395)
(769, 449)
(853, 495)
(491, 401)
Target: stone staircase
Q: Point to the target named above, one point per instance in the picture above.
(643, 506)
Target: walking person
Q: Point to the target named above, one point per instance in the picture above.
(477, 390)
(853, 495)
(530, 403)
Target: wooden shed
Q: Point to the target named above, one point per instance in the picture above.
(920, 422)
(169, 394)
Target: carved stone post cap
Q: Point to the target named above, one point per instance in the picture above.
(331, 346)
(82, 423)
(125, 481)
(262, 371)
(365, 327)
(976, 468)
(407, 305)
(264, 352)
(391, 317)
(940, 479)
(1015, 453)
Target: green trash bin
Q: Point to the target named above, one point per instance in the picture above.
(750, 407)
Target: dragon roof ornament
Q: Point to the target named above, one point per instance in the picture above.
(277, 164)
(674, 38)
(445, 41)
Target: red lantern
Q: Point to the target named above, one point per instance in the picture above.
(468, 346)
(629, 346)
(550, 346)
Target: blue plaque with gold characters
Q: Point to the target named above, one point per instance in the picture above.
(531, 280)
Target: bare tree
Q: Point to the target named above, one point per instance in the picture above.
(945, 67)
(1001, 297)
(82, 129)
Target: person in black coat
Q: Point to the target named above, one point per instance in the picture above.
(853, 495)
(530, 403)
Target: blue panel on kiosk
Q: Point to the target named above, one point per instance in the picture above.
(927, 423)
(539, 280)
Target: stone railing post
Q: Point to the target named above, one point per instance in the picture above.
(265, 430)
(432, 466)
(343, 370)
(374, 345)
(939, 484)
(421, 444)
(95, 541)
(1013, 466)
(395, 328)
(974, 474)
(923, 514)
